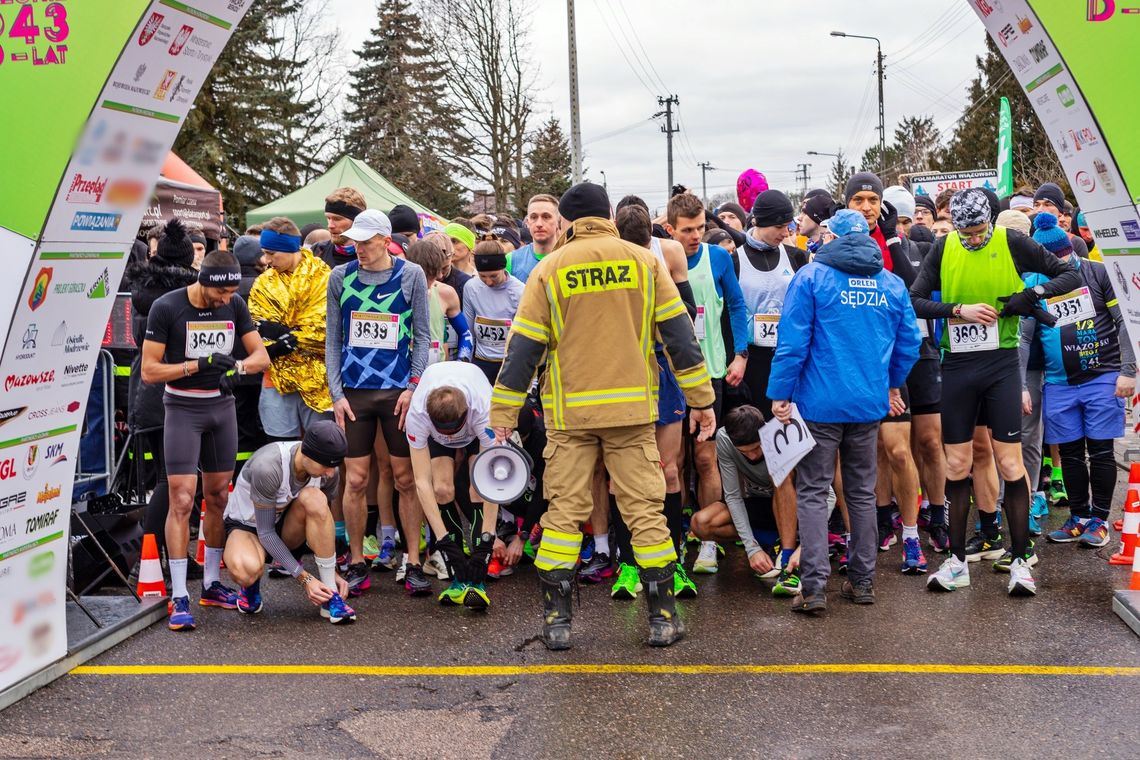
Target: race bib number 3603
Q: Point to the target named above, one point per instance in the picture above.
(367, 329)
(970, 336)
(205, 338)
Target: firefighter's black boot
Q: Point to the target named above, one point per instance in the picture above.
(556, 613)
(665, 626)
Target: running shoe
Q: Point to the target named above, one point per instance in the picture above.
(691, 538)
(343, 557)
(683, 586)
(180, 617)
(415, 582)
(628, 583)
(1002, 565)
(836, 544)
(357, 579)
(1039, 507)
(788, 584)
(1021, 581)
(587, 551)
(981, 546)
(939, 539)
(706, 561)
(1057, 492)
(388, 557)
(954, 574)
(437, 566)
(453, 595)
(1071, 531)
(476, 597)
(924, 517)
(1095, 534)
(914, 562)
(841, 563)
(777, 564)
(887, 537)
(219, 595)
(277, 571)
(337, 612)
(402, 570)
(597, 569)
(371, 548)
(249, 599)
(1034, 525)
(495, 569)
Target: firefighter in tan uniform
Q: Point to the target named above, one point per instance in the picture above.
(592, 308)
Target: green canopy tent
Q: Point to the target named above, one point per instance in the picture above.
(308, 204)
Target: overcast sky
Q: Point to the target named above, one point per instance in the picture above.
(760, 82)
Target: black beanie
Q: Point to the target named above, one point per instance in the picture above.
(1052, 193)
(736, 210)
(584, 199)
(860, 182)
(404, 219)
(175, 247)
(819, 206)
(995, 204)
(771, 209)
(927, 203)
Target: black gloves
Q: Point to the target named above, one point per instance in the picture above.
(1026, 303)
(453, 557)
(889, 221)
(284, 345)
(271, 330)
(228, 382)
(216, 362)
(480, 558)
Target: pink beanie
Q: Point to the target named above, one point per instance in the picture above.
(750, 184)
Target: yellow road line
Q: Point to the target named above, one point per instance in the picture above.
(465, 671)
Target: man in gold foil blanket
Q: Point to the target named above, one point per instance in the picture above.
(288, 303)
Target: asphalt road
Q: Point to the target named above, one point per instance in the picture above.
(411, 679)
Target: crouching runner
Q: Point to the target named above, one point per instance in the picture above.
(280, 507)
(450, 413)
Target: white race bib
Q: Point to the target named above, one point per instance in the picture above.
(966, 337)
(699, 323)
(923, 328)
(369, 329)
(765, 329)
(205, 338)
(1071, 307)
(491, 334)
(438, 352)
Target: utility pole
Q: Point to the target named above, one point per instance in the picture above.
(803, 176)
(879, 67)
(706, 167)
(669, 131)
(605, 185)
(575, 117)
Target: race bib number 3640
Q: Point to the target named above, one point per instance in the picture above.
(205, 338)
(966, 337)
(367, 329)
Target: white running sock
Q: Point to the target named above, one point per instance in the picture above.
(326, 570)
(212, 571)
(177, 577)
(387, 532)
(602, 544)
(910, 531)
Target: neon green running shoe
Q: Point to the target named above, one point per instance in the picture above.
(683, 586)
(628, 583)
(371, 548)
(454, 594)
(476, 598)
(788, 584)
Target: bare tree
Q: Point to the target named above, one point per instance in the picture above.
(316, 73)
(491, 85)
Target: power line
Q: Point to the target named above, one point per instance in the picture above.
(949, 17)
(621, 49)
(620, 130)
(931, 53)
(637, 38)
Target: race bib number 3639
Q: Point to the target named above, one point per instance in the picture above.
(970, 336)
(367, 329)
(205, 338)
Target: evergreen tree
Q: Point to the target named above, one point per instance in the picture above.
(973, 144)
(397, 119)
(548, 162)
(840, 173)
(238, 136)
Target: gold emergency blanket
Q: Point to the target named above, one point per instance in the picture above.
(297, 300)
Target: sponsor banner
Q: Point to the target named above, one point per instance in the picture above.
(118, 79)
(933, 183)
(197, 207)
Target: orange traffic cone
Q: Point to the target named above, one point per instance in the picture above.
(200, 555)
(150, 570)
(1135, 584)
(1133, 484)
(1127, 551)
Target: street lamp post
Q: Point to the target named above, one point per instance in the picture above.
(605, 186)
(879, 60)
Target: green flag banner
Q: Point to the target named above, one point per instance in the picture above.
(1005, 152)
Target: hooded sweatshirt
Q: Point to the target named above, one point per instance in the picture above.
(847, 335)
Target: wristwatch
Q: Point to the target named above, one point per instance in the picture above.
(1039, 290)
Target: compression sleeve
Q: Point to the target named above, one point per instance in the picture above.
(266, 518)
(462, 329)
(687, 297)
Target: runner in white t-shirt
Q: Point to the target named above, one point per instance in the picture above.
(450, 416)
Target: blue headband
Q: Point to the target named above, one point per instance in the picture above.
(279, 242)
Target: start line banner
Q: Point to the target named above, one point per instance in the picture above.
(110, 83)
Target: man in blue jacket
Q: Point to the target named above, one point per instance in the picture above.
(847, 341)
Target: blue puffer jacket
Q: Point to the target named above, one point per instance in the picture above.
(847, 335)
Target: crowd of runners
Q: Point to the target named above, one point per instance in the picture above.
(960, 361)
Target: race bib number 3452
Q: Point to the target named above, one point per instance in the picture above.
(367, 329)
(205, 338)
(970, 336)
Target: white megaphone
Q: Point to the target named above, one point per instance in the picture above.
(501, 473)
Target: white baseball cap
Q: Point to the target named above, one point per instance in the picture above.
(368, 224)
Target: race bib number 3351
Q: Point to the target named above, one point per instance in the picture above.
(368, 329)
(205, 338)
